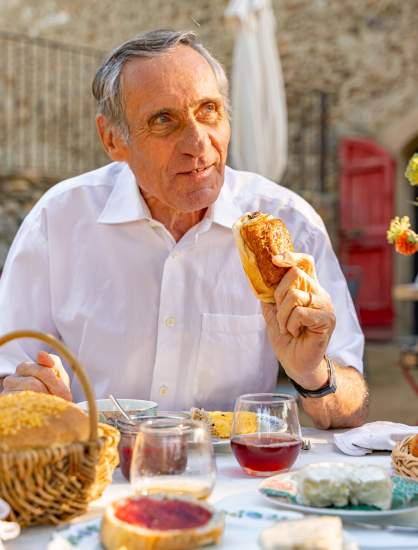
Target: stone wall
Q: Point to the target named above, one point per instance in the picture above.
(18, 194)
(364, 52)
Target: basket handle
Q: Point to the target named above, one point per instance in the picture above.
(76, 367)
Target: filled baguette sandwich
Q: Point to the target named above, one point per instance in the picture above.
(259, 237)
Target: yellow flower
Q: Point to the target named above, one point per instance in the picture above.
(397, 226)
(411, 172)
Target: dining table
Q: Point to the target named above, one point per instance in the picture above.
(235, 488)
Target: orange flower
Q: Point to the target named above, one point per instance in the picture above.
(406, 243)
(402, 236)
(400, 233)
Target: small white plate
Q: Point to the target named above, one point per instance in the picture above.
(244, 522)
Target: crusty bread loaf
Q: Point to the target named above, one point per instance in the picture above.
(117, 534)
(258, 237)
(31, 420)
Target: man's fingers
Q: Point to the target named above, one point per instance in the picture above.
(296, 278)
(50, 360)
(299, 298)
(47, 376)
(15, 383)
(315, 320)
(305, 262)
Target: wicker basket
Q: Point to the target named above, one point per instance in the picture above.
(52, 485)
(404, 462)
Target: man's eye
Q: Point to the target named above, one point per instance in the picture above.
(161, 119)
(209, 108)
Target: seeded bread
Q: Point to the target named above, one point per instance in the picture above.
(30, 420)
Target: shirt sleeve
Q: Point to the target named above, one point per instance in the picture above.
(346, 345)
(25, 294)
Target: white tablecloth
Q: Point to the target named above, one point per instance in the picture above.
(231, 481)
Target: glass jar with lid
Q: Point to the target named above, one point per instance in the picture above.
(129, 430)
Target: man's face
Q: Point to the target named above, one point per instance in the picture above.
(178, 127)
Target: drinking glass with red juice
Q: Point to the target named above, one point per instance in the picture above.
(266, 437)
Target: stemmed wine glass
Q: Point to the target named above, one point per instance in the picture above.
(266, 436)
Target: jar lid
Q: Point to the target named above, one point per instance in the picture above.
(132, 426)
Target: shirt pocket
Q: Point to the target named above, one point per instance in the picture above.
(230, 359)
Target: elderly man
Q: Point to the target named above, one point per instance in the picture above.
(133, 266)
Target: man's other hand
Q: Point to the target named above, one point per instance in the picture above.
(46, 376)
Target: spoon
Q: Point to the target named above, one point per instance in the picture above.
(120, 408)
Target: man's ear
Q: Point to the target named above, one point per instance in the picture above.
(113, 143)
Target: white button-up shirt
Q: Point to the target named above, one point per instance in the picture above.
(149, 317)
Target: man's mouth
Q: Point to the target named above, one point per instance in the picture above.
(194, 171)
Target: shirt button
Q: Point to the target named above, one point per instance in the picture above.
(175, 254)
(170, 322)
(163, 390)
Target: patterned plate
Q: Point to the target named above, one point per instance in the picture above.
(281, 491)
(243, 524)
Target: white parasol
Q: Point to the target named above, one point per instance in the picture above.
(259, 116)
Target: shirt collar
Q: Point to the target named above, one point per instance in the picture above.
(125, 202)
(224, 211)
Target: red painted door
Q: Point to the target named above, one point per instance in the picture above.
(366, 207)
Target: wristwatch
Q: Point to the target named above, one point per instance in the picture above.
(330, 386)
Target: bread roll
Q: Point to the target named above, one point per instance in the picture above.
(30, 420)
(414, 446)
(160, 523)
(259, 237)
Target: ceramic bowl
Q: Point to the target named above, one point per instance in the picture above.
(109, 414)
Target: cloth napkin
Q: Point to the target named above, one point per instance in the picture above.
(374, 436)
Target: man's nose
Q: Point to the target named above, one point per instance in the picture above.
(194, 139)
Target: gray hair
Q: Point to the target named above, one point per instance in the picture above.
(107, 87)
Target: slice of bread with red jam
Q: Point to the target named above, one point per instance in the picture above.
(160, 522)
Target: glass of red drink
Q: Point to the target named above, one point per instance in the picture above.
(266, 437)
(173, 456)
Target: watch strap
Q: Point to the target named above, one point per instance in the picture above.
(329, 387)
